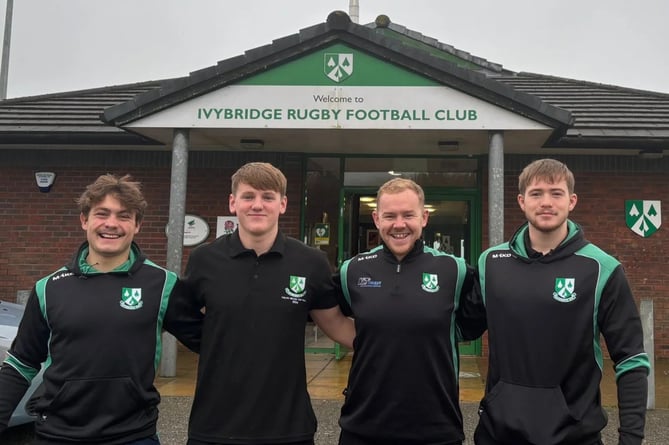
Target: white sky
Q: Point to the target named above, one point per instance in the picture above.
(65, 45)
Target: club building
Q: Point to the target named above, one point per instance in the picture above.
(341, 108)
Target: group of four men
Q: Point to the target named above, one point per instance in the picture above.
(544, 297)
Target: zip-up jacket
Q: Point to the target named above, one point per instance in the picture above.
(545, 316)
(99, 337)
(403, 382)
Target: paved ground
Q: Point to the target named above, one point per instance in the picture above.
(174, 417)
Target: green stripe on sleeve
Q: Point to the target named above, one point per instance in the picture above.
(636, 361)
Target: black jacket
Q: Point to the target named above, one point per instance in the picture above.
(99, 337)
(403, 382)
(545, 316)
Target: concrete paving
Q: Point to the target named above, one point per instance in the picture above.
(174, 419)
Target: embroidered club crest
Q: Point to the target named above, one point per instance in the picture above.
(564, 290)
(643, 217)
(338, 66)
(296, 286)
(131, 298)
(430, 282)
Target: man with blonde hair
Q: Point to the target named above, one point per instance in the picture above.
(411, 305)
(258, 287)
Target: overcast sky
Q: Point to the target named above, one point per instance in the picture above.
(65, 45)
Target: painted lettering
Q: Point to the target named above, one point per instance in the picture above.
(239, 113)
(453, 115)
(332, 99)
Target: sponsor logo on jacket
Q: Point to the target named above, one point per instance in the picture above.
(368, 282)
(61, 275)
(501, 255)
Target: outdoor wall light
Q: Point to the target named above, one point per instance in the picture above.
(651, 154)
(252, 144)
(448, 145)
(45, 181)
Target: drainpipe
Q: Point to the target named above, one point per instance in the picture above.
(175, 234)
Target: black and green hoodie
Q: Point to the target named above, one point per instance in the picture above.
(99, 337)
(545, 317)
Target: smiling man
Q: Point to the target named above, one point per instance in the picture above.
(258, 286)
(409, 302)
(549, 294)
(96, 325)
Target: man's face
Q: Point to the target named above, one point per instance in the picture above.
(257, 210)
(400, 219)
(547, 205)
(110, 228)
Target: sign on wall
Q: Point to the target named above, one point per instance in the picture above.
(196, 230)
(225, 225)
(643, 217)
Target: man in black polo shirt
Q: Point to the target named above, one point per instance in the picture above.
(258, 287)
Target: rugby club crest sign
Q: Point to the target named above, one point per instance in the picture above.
(338, 66)
(643, 217)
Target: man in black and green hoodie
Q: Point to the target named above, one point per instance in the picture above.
(96, 324)
(549, 294)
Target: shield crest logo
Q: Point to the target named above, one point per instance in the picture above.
(338, 66)
(131, 298)
(297, 284)
(564, 289)
(430, 282)
(643, 217)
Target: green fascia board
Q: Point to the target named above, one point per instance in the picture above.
(310, 70)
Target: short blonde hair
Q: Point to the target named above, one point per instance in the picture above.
(261, 176)
(397, 185)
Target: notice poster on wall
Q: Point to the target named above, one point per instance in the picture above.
(226, 225)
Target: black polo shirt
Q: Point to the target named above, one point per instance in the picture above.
(251, 377)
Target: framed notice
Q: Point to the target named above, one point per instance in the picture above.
(373, 239)
(226, 225)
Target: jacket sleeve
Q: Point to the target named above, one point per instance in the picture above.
(184, 316)
(24, 359)
(343, 302)
(471, 315)
(632, 397)
(12, 388)
(620, 325)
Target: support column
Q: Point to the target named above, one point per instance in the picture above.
(646, 312)
(175, 234)
(496, 188)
